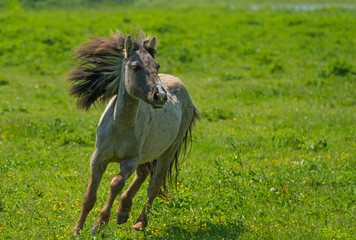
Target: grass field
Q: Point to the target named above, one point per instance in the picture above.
(274, 156)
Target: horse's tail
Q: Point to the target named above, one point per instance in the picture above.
(171, 179)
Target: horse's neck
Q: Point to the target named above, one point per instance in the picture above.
(126, 106)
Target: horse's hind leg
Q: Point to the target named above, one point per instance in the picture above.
(117, 184)
(96, 172)
(124, 208)
(154, 188)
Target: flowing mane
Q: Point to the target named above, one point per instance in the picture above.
(97, 76)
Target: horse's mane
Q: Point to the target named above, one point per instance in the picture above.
(97, 76)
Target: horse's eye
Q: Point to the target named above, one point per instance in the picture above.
(136, 66)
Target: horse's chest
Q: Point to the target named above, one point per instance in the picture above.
(126, 146)
(162, 133)
(147, 139)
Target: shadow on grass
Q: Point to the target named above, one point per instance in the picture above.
(201, 230)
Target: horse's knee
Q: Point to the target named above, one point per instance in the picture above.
(117, 184)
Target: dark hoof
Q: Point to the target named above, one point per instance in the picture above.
(120, 219)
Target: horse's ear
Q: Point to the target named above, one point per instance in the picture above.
(152, 43)
(128, 46)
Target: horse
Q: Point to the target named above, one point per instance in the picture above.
(146, 126)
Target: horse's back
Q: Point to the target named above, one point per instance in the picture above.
(171, 83)
(178, 91)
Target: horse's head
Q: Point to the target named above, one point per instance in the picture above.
(141, 73)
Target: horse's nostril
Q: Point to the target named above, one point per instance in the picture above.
(160, 97)
(155, 96)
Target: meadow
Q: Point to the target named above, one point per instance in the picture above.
(274, 156)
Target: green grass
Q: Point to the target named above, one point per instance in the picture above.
(274, 154)
(42, 4)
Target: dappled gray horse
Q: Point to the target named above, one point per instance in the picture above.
(145, 125)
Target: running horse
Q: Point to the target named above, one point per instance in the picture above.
(146, 126)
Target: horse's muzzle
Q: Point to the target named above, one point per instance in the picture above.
(159, 97)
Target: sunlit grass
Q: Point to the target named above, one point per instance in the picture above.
(274, 154)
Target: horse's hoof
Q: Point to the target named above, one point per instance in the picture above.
(76, 231)
(120, 219)
(139, 226)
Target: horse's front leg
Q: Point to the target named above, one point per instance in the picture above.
(125, 204)
(127, 168)
(97, 168)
